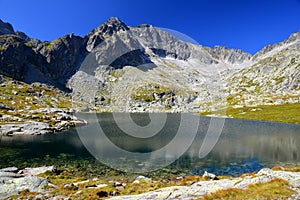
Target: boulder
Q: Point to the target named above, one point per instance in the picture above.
(37, 170)
(5, 107)
(13, 185)
(210, 176)
(9, 169)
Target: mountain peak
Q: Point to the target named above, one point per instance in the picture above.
(108, 28)
(6, 28)
(294, 37)
(111, 26)
(114, 20)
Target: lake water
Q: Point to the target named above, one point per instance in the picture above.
(244, 146)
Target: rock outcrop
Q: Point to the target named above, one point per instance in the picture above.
(12, 183)
(6, 28)
(34, 109)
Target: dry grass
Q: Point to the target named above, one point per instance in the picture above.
(279, 113)
(292, 169)
(275, 189)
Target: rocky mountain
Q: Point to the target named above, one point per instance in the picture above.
(31, 60)
(116, 67)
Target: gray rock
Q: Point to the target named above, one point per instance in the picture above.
(2, 79)
(36, 171)
(12, 186)
(32, 128)
(9, 169)
(9, 129)
(292, 177)
(5, 107)
(13, 183)
(210, 176)
(9, 174)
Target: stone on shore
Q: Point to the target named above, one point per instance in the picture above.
(9, 169)
(12, 185)
(36, 171)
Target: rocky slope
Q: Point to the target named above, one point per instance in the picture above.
(31, 60)
(34, 109)
(117, 67)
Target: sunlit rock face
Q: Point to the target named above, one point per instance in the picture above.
(147, 69)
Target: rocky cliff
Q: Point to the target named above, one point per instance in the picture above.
(116, 67)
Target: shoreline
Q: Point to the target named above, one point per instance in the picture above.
(64, 119)
(41, 121)
(49, 182)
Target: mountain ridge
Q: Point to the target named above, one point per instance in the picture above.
(144, 69)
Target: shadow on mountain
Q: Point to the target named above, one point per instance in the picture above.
(136, 58)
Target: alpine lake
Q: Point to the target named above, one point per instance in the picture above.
(103, 149)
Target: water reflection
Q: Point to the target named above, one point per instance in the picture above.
(244, 146)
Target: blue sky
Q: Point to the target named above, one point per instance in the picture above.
(245, 24)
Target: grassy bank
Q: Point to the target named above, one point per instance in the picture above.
(279, 113)
(80, 187)
(275, 189)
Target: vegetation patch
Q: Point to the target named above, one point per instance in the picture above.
(280, 113)
(275, 189)
(50, 46)
(290, 169)
(147, 93)
(2, 48)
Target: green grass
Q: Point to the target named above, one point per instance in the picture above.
(280, 113)
(275, 189)
(17, 96)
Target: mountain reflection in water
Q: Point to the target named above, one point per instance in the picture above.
(244, 145)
